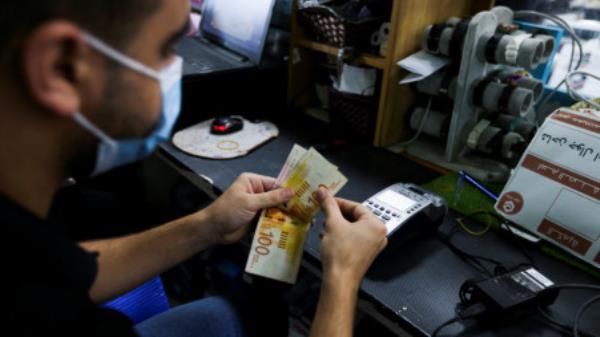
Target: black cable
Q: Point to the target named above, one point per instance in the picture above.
(515, 239)
(443, 325)
(565, 327)
(517, 242)
(580, 312)
(553, 322)
(576, 286)
(472, 260)
(469, 312)
(465, 292)
(476, 261)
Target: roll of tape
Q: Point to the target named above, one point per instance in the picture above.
(381, 36)
(486, 138)
(520, 102)
(524, 51)
(384, 32)
(428, 43)
(549, 43)
(517, 104)
(436, 125)
(536, 86)
(524, 81)
(446, 40)
(513, 48)
(504, 44)
(516, 124)
(376, 39)
(438, 84)
(384, 36)
(475, 134)
(531, 53)
(508, 142)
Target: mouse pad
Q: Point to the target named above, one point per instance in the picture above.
(198, 141)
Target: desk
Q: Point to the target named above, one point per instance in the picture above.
(416, 286)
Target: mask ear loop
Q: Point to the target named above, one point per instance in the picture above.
(86, 124)
(119, 57)
(172, 73)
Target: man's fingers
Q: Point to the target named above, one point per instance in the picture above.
(268, 183)
(271, 198)
(260, 183)
(352, 209)
(328, 204)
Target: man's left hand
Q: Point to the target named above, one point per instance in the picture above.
(232, 213)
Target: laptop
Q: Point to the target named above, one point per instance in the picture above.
(232, 36)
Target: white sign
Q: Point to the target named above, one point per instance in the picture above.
(555, 189)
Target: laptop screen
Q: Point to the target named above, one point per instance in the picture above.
(197, 4)
(239, 25)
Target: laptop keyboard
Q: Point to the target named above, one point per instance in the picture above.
(201, 57)
(201, 65)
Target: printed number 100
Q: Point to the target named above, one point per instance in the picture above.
(265, 240)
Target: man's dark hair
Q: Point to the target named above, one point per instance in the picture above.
(113, 20)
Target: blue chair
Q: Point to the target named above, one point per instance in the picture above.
(142, 303)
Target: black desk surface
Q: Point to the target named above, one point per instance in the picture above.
(420, 281)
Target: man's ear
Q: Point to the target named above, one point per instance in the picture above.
(54, 61)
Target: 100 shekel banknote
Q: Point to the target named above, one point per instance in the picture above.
(277, 247)
(278, 243)
(305, 178)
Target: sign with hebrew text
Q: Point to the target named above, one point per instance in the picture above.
(555, 189)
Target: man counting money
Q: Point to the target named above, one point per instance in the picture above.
(87, 86)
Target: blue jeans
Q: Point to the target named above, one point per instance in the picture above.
(211, 317)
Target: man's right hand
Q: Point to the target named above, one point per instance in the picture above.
(352, 239)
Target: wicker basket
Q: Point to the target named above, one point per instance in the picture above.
(353, 115)
(328, 27)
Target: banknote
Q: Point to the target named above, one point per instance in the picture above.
(278, 242)
(292, 161)
(309, 174)
(277, 247)
(294, 157)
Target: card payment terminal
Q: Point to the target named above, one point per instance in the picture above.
(407, 209)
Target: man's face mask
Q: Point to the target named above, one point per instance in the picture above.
(113, 153)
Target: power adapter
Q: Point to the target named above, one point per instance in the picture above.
(511, 295)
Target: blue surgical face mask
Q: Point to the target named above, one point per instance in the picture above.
(113, 153)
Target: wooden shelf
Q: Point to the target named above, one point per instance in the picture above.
(364, 59)
(408, 20)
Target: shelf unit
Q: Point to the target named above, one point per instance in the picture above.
(409, 18)
(377, 62)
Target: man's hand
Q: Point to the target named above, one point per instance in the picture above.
(352, 239)
(125, 263)
(233, 212)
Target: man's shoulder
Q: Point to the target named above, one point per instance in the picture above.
(32, 248)
(46, 281)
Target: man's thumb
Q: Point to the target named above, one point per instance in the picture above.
(328, 203)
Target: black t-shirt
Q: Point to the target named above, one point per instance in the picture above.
(46, 279)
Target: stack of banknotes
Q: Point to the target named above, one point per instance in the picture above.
(278, 243)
